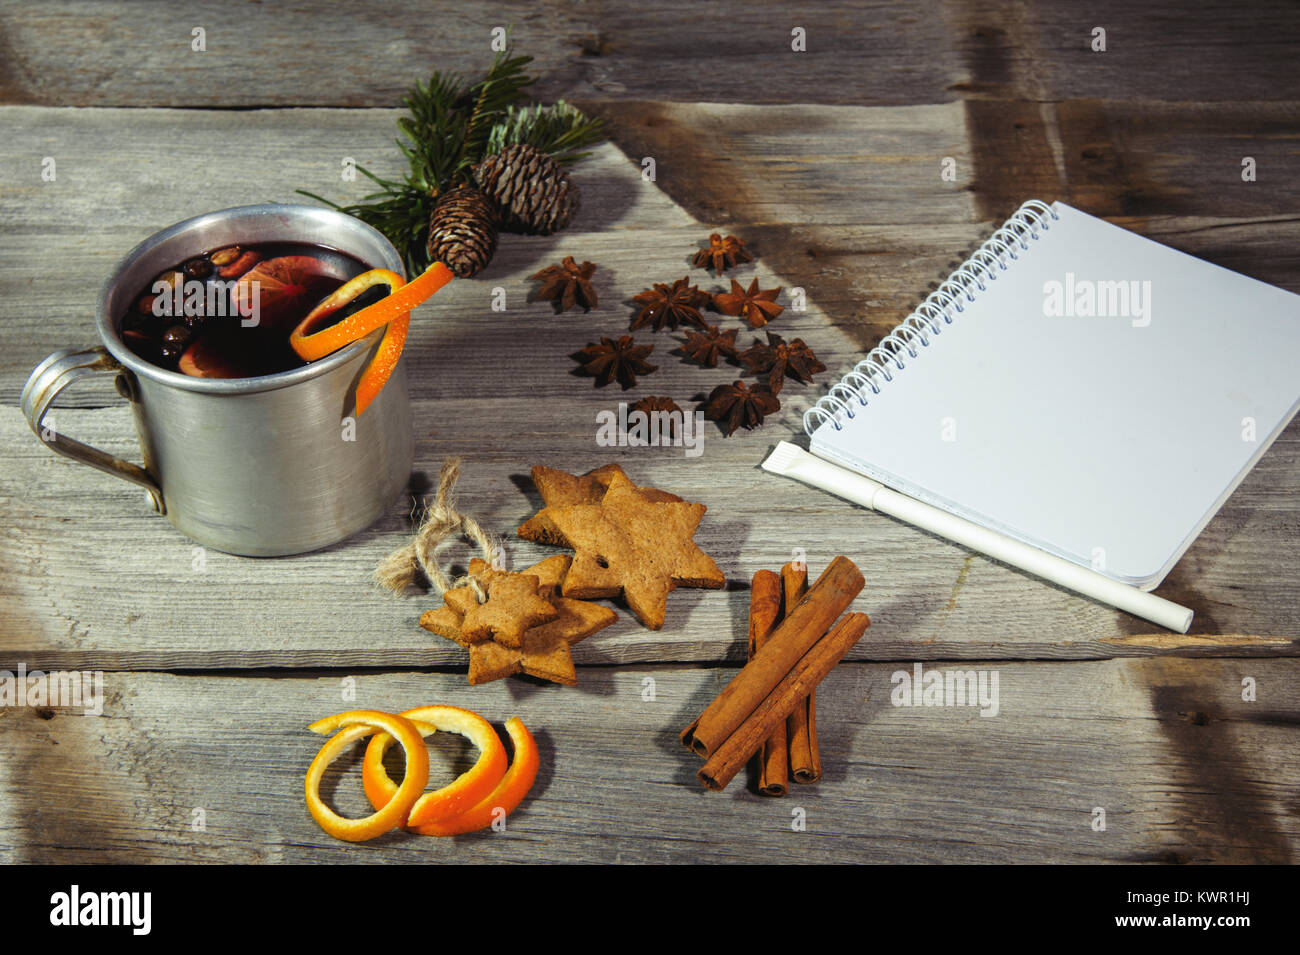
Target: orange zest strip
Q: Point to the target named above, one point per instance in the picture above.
(357, 724)
(466, 791)
(311, 346)
(510, 792)
(381, 366)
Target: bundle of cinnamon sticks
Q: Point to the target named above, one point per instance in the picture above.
(769, 707)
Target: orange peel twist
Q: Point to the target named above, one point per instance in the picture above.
(466, 791)
(507, 796)
(354, 725)
(393, 311)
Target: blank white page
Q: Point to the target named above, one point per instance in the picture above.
(1098, 438)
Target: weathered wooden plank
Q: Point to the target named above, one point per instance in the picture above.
(288, 56)
(1184, 770)
(721, 162)
(802, 165)
(1173, 172)
(1120, 158)
(90, 578)
(88, 53)
(1044, 50)
(857, 210)
(798, 169)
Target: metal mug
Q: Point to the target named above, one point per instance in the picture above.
(264, 466)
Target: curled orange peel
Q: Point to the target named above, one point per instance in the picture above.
(311, 346)
(393, 310)
(381, 366)
(466, 791)
(354, 725)
(507, 796)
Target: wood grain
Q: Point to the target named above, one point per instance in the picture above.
(1184, 770)
(90, 578)
(256, 55)
(886, 52)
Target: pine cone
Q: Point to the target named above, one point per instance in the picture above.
(533, 194)
(462, 231)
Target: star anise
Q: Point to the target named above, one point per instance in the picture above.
(670, 305)
(779, 358)
(737, 404)
(612, 359)
(655, 403)
(567, 285)
(652, 403)
(721, 253)
(706, 347)
(757, 308)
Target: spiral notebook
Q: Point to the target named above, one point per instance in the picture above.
(1077, 387)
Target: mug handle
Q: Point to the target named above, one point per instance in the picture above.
(57, 372)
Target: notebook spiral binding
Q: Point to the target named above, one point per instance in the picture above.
(930, 316)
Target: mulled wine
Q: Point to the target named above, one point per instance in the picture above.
(228, 313)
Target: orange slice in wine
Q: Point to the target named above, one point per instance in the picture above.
(284, 288)
(212, 356)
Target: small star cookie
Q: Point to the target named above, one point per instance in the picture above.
(542, 650)
(512, 606)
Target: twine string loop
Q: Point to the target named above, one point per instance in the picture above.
(441, 521)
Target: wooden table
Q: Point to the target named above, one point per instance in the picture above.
(828, 162)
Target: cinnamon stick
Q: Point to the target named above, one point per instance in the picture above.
(764, 607)
(730, 756)
(801, 730)
(794, 583)
(765, 597)
(805, 759)
(802, 627)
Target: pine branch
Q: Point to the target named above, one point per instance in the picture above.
(559, 130)
(492, 98)
(434, 129)
(449, 128)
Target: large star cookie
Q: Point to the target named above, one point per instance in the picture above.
(630, 545)
(541, 650)
(560, 488)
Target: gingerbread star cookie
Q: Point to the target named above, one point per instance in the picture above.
(630, 545)
(559, 488)
(542, 649)
(513, 605)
